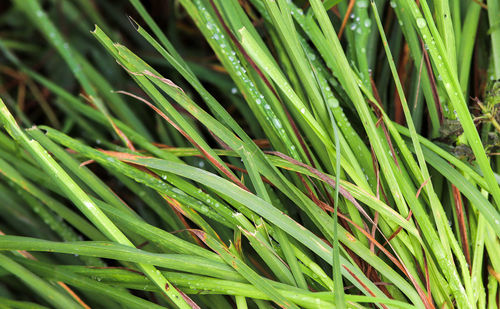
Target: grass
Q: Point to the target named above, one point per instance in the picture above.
(249, 154)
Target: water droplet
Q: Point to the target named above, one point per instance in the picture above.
(234, 90)
(362, 3)
(89, 205)
(177, 191)
(333, 103)
(421, 22)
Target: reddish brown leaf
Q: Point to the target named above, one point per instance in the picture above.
(217, 164)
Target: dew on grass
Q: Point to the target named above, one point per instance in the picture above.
(421, 23)
(89, 205)
(177, 191)
(277, 123)
(362, 3)
(333, 103)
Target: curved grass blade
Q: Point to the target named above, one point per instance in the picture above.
(80, 198)
(40, 286)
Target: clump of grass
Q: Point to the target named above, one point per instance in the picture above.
(250, 154)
